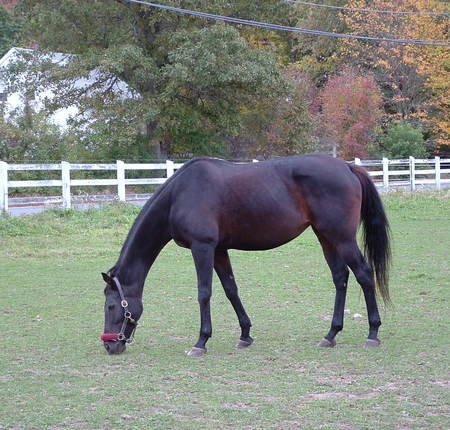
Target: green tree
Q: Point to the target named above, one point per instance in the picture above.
(210, 75)
(316, 55)
(31, 137)
(189, 76)
(9, 29)
(280, 127)
(402, 140)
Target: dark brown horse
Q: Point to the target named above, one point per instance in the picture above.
(210, 206)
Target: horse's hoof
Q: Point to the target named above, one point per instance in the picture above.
(325, 343)
(372, 343)
(244, 343)
(197, 352)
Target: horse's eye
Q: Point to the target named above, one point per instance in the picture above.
(111, 307)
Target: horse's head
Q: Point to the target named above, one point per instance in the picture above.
(121, 316)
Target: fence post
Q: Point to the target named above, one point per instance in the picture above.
(169, 167)
(437, 168)
(385, 172)
(121, 180)
(412, 173)
(358, 161)
(3, 186)
(65, 176)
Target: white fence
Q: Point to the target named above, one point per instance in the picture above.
(66, 182)
(411, 172)
(385, 173)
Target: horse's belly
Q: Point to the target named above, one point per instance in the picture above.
(259, 238)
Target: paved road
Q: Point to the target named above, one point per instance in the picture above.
(34, 209)
(25, 210)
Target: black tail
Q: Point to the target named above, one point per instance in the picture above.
(376, 232)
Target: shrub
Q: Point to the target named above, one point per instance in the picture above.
(403, 140)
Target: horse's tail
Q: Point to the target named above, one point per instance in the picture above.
(376, 232)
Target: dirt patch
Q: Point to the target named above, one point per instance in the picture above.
(241, 406)
(346, 382)
(440, 383)
(331, 395)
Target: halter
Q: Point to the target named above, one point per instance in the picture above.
(112, 337)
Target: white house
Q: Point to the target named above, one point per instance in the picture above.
(15, 95)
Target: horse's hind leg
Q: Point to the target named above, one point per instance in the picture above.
(340, 273)
(363, 274)
(222, 266)
(348, 254)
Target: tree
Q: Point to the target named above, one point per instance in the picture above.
(411, 75)
(212, 72)
(280, 127)
(316, 55)
(31, 137)
(351, 104)
(437, 71)
(439, 103)
(9, 29)
(190, 76)
(402, 140)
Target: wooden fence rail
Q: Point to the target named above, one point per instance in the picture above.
(385, 173)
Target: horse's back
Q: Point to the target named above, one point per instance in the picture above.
(261, 205)
(301, 169)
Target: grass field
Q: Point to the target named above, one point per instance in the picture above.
(55, 374)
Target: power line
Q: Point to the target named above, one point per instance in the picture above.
(288, 28)
(354, 9)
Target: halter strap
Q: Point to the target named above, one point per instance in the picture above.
(127, 319)
(123, 302)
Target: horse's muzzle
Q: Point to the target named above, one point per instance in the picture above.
(116, 347)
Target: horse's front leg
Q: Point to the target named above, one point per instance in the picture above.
(203, 255)
(222, 266)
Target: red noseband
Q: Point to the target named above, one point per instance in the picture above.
(108, 337)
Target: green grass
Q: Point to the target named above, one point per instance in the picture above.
(55, 374)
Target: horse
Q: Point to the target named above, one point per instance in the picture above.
(210, 206)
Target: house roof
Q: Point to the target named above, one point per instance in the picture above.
(15, 54)
(11, 55)
(96, 81)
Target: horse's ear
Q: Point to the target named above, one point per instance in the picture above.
(108, 280)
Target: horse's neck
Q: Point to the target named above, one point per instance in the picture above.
(146, 239)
